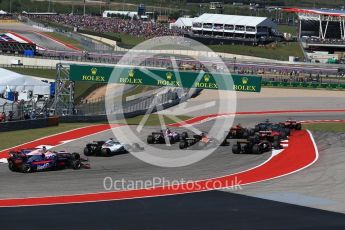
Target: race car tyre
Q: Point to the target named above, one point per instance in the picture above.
(276, 144)
(236, 149)
(171, 140)
(276, 138)
(184, 135)
(75, 156)
(265, 146)
(251, 132)
(177, 138)
(298, 126)
(255, 137)
(287, 131)
(26, 168)
(256, 149)
(225, 143)
(183, 145)
(106, 152)
(87, 151)
(150, 139)
(11, 166)
(76, 164)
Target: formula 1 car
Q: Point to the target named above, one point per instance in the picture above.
(109, 148)
(292, 124)
(30, 160)
(270, 136)
(253, 146)
(202, 140)
(277, 129)
(238, 132)
(189, 141)
(162, 137)
(264, 126)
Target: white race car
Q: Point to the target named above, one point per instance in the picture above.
(108, 148)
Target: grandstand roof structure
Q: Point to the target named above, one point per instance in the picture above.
(321, 29)
(323, 12)
(234, 20)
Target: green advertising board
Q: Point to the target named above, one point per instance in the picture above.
(162, 77)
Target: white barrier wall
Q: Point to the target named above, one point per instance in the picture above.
(7, 60)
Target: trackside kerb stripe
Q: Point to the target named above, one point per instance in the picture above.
(21, 37)
(58, 41)
(57, 139)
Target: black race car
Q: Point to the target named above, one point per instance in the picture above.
(292, 124)
(189, 141)
(254, 145)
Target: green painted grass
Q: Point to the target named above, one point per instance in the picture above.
(326, 127)
(152, 120)
(127, 41)
(44, 73)
(280, 51)
(65, 39)
(13, 138)
(288, 29)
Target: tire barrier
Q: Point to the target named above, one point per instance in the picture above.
(29, 124)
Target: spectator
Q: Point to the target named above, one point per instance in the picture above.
(2, 117)
(138, 28)
(10, 116)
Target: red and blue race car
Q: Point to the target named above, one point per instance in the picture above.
(30, 160)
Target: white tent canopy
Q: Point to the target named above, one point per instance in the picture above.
(234, 20)
(3, 101)
(182, 22)
(18, 82)
(2, 12)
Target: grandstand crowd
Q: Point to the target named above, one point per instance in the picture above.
(139, 28)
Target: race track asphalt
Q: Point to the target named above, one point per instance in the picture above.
(44, 41)
(207, 210)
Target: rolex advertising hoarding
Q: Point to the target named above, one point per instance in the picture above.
(165, 77)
